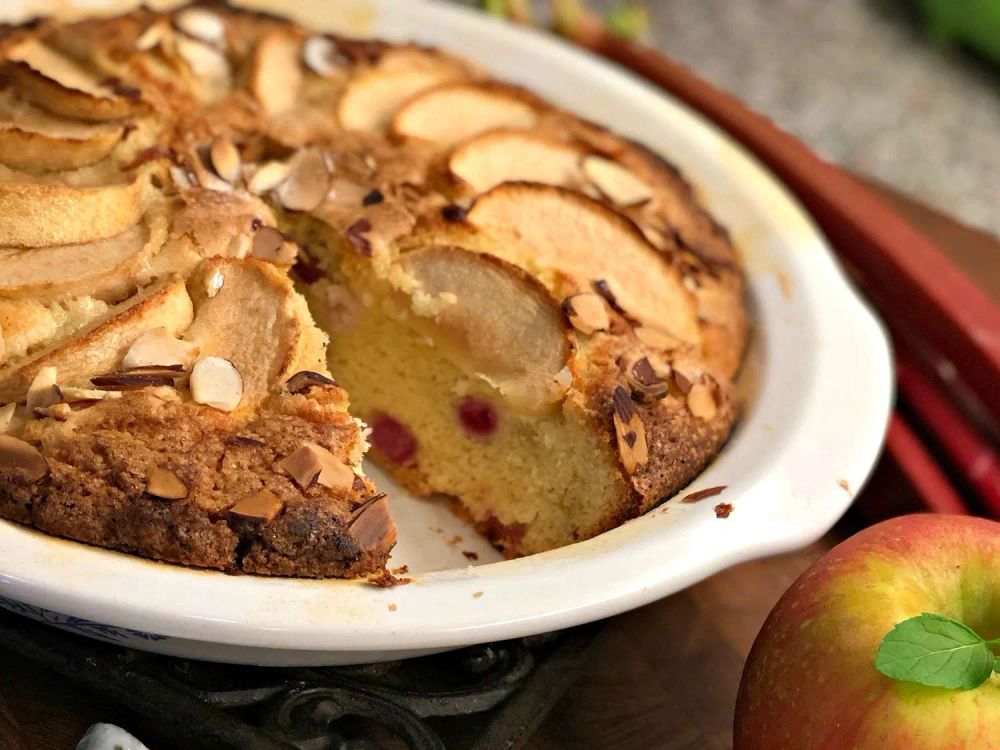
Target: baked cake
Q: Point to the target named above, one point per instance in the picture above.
(235, 254)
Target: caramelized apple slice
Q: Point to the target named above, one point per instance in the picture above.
(56, 83)
(97, 269)
(510, 156)
(45, 147)
(554, 230)
(282, 340)
(372, 96)
(99, 347)
(37, 214)
(449, 114)
(492, 318)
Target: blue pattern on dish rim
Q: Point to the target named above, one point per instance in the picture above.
(109, 633)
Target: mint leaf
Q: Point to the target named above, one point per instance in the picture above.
(937, 651)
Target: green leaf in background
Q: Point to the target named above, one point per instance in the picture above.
(630, 21)
(937, 651)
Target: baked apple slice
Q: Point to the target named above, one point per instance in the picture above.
(556, 231)
(452, 113)
(59, 85)
(99, 347)
(282, 341)
(38, 214)
(492, 318)
(487, 160)
(101, 269)
(372, 96)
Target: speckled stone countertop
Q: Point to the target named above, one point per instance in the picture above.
(859, 83)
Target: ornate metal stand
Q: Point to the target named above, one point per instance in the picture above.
(494, 695)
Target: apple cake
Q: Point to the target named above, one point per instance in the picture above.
(236, 255)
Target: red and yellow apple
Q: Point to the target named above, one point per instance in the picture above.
(810, 682)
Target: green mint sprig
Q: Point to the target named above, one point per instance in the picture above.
(937, 651)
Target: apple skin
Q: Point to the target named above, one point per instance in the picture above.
(810, 683)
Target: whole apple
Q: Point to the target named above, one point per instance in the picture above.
(810, 683)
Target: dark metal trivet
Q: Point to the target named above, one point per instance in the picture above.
(490, 696)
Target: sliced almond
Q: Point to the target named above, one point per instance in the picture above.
(321, 56)
(204, 60)
(268, 176)
(59, 411)
(587, 313)
(19, 456)
(159, 347)
(165, 484)
(313, 464)
(346, 193)
(73, 394)
(271, 245)
(630, 431)
(43, 390)
(647, 384)
(132, 381)
(7, 415)
(225, 159)
(615, 182)
(308, 181)
(202, 24)
(261, 506)
(701, 401)
(275, 73)
(217, 383)
(155, 33)
(305, 381)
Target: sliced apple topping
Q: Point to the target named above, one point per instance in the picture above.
(371, 97)
(47, 147)
(308, 181)
(7, 416)
(275, 73)
(99, 347)
(19, 456)
(158, 346)
(41, 214)
(216, 382)
(560, 232)
(450, 114)
(98, 269)
(493, 319)
(266, 354)
(511, 156)
(58, 84)
(615, 182)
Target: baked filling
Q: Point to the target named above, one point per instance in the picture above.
(235, 254)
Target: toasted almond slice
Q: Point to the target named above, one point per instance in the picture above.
(321, 56)
(494, 319)
(158, 346)
(557, 230)
(155, 33)
(204, 61)
(19, 456)
(42, 214)
(452, 113)
(630, 432)
(372, 96)
(163, 483)
(510, 156)
(647, 383)
(701, 401)
(225, 159)
(216, 382)
(100, 346)
(308, 181)
(43, 390)
(275, 73)
(346, 193)
(57, 84)
(271, 245)
(30, 150)
(314, 464)
(615, 182)
(268, 176)
(97, 269)
(265, 355)
(373, 528)
(306, 380)
(261, 506)
(202, 24)
(587, 313)
(72, 394)
(7, 416)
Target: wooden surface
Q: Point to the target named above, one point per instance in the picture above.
(663, 677)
